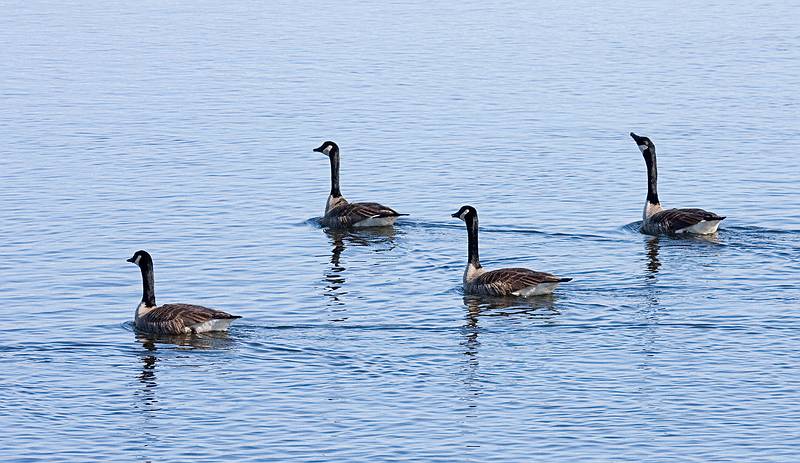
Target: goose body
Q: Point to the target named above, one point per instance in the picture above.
(655, 219)
(339, 213)
(520, 282)
(694, 221)
(357, 215)
(170, 319)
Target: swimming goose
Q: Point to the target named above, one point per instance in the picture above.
(172, 318)
(341, 214)
(657, 220)
(503, 282)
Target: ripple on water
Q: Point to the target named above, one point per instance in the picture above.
(188, 132)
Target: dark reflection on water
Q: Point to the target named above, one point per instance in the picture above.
(380, 239)
(149, 357)
(542, 307)
(145, 398)
(661, 349)
(649, 311)
(677, 245)
(651, 306)
(212, 340)
(653, 264)
(334, 276)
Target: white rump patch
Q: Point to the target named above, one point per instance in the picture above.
(216, 324)
(704, 227)
(536, 290)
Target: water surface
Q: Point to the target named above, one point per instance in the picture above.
(187, 130)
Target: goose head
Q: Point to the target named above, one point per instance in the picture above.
(466, 213)
(328, 148)
(141, 258)
(646, 146)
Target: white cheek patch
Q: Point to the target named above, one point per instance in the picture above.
(642, 147)
(136, 261)
(463, 215)
(327, 150)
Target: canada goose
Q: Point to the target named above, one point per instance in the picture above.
(341, 214)
(502, 282)
(172, 318)
(657, 220)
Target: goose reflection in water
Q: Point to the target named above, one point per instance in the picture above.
(682, 243)
(380, 239)
(145, 398)
(147, 377)
(216, 340)
(653, 264)
(649, 311)
(208, 340)
(540, 308)
(149, 358)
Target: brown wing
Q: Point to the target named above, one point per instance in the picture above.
(177, 318)
(672, 220)
(505, 281)
(352, 213)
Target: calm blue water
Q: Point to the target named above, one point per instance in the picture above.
(186, 128)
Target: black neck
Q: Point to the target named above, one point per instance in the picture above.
(652, 175)
(335, 173)
(472, 240)
(148, 284)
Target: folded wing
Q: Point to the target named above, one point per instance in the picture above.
(673, 220)
(507, 281)
(179, 318)
(350, 214)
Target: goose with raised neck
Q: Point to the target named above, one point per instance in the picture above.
(657, 220)
(171, 319)
(339, 213)
(521, 282)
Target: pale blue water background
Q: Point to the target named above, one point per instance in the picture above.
(186, 128)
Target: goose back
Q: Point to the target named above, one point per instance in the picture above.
(513, 281)
(681, 221)
(360, 214)
(182, 319)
